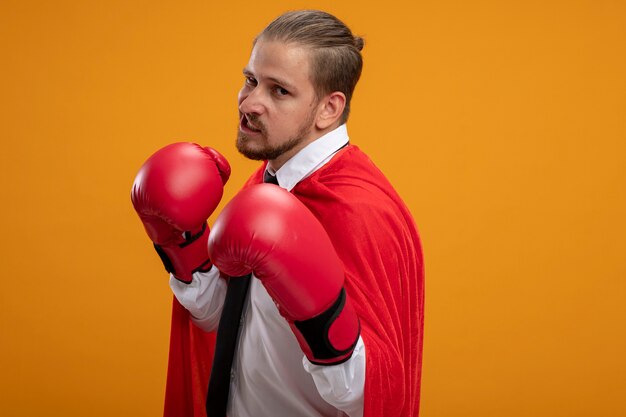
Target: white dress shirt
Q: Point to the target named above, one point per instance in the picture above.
(270, 375)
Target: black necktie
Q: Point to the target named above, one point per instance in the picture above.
(225, 346)
(269, 178)
(227, 333)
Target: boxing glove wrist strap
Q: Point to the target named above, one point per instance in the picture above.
(315, 331)
(190, 256)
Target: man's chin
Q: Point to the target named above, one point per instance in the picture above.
(245, 147)
(251, 154)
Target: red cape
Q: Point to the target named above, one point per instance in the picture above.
(377, 241)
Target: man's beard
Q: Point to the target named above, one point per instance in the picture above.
(268, 152)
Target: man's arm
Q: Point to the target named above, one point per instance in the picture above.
(267, 231)
(174, 193)
(203, 297)
(343, 385)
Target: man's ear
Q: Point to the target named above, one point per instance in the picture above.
(330, 110)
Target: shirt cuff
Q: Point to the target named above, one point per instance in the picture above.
(342, 385)
(203, 297)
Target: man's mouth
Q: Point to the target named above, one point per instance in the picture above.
(248, 126)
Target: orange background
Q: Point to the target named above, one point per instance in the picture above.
(502, 124)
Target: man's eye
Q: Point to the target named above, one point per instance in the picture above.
(281, 91)
(250, 81)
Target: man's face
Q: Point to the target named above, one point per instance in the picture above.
(277, 103)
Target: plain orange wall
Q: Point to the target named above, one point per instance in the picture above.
(502, 124)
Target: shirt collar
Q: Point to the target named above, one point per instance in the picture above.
(310, 158)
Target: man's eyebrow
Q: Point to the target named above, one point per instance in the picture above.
(283, 83)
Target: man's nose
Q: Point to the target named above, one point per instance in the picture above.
(251, 102)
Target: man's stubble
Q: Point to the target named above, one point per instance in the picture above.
(267, 151)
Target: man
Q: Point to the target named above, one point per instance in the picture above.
(363, 354)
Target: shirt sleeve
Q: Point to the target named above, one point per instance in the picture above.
(342, 386)
(203, 297)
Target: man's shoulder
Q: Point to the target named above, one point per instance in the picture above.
(350, 183)
(351, 164)
(351, 172)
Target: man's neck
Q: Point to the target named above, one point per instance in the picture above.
(277, 163)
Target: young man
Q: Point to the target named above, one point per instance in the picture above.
(333, 318)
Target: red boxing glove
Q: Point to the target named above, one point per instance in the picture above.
(174, 193)
(266, 230)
